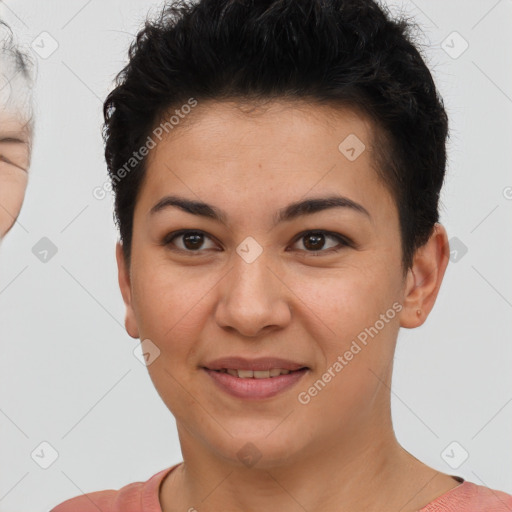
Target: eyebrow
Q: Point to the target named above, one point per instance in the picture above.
(288, 213)
(11, 139)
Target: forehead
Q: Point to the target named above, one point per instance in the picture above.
(15, 87)
(277, 121)
(238, 153)
(14, 124)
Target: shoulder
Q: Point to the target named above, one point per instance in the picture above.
(90, 502)
(487, 499)
(129, 498)
(471, 497)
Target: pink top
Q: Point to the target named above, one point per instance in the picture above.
(143, 497)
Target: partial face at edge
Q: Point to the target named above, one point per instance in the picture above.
(305, 297)
(15, 149)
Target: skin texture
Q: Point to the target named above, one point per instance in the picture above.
(16, 133)
(339, 451)
(14, 164)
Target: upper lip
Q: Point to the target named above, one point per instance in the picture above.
(260, 363)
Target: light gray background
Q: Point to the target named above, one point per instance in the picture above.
(68, 375)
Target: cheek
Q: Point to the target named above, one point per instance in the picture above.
(356, 349)
(13, 183)
(347, 300)
(357, 322)
(170, 303)
(170, 311)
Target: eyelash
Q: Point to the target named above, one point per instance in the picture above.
(343, 241)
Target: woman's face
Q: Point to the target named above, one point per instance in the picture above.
(15, 140)
(253, 285)
(14, 163)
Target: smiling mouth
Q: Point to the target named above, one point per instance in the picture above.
(255, 384)
(257, 374)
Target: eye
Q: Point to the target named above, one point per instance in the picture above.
(313, 242)
(318, 242)
(188, 241)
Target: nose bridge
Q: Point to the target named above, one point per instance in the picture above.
(250, 277)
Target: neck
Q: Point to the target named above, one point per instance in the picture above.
(368, 472)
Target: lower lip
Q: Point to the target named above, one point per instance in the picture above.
(255, 389)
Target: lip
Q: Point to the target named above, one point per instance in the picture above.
(255, 389)
(260, 363)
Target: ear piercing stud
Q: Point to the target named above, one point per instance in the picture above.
(418, 312)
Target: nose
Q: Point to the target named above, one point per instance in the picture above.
(253, 299)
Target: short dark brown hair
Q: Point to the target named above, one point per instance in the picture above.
(338, 52)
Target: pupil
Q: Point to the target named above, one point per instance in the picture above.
(193, 241)
(318, 241)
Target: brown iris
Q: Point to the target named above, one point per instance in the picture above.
(314, 241)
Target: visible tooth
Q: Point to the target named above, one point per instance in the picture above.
(245, 374)
(261, 374)
(257, 374)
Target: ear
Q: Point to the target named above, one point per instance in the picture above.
(123, 275)
(424, 278)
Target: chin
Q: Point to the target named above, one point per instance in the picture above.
(260, 451)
